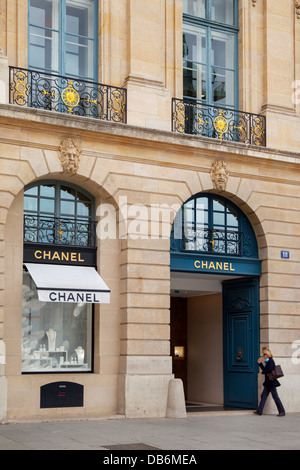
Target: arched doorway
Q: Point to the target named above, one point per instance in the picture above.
(215, 302)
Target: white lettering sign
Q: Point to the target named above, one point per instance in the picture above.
(74, 296)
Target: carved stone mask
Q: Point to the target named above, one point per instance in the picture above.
(69, 154)
(219, 175)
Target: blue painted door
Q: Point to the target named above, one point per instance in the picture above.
(241, 342)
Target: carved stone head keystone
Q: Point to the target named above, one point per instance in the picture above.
(219, 175)
(69, 153)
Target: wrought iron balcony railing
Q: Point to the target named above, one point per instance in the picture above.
(195, 117)
(37, 89)
(63, 231)
(213, 241)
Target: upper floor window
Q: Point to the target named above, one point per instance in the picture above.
(63, 37)
(210, 51)
(221, 11)
(55, 212)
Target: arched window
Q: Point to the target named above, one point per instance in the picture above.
(56, 212)
(57, 335)
(214, 225)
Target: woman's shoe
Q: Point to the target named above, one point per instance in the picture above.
(281, 414)
(259, 413)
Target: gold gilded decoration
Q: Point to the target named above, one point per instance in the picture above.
(258, 131)
(116, 105)
(60, 232)
(200, 121)
(219, 175)
(45, 92)
(180, 117)
(21, 88)
(69, 154)
(70, 97)
(239, 356)
(221, 124)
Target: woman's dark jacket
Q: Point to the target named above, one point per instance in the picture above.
(266, 369)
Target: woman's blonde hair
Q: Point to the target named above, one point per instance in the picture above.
(267, 351)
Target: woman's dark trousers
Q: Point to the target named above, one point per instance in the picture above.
(275, 396)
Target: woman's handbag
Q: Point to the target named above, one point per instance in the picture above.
(275, 374)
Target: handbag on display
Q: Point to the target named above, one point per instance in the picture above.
(275, 374)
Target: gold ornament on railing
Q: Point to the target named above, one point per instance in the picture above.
(21, 88)
(70, 97)
(221, 124)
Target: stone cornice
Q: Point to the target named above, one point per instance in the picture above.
(64, 124)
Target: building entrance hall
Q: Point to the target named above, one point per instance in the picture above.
(199, 343)
(214, 312)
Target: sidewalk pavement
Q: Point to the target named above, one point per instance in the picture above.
(230, 430)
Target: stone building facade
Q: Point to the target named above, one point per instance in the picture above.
(118, 162)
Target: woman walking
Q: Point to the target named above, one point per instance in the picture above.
(269, 385)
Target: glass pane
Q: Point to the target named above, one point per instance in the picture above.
(202, 202)
(222, 11)
(194, 46)
(44, 13)
(80, 20)
(201, 212)
(67, 207)
(218, 219)
(79, 56)
(232, 221)
(195, 8)
(56, 337)
(43, 48)
(79, 50)
(67, 193)
(83, 210)
(218, 205)
(222, 49)
(30, 204)
(47, 190)
(189, 213)
(194, 74)
(32, 191)
(223, 87)
(47, 205)
(194, 81)
(232, 217)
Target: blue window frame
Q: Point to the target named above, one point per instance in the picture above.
(213, 225)
(210, 52)
(63, 37)
(56, 212)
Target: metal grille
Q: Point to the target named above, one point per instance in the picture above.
(195, 117)
(37, 89)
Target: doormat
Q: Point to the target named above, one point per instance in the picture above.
(134, 446)
(196, 407)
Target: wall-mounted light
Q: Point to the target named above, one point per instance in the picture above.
(179, 352)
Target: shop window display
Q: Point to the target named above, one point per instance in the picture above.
(56, 337)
